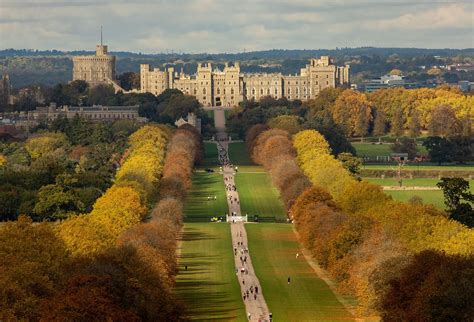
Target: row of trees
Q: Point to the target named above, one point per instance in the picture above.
(398, 112)
(291, 116)
(108, 265)
(369, 243)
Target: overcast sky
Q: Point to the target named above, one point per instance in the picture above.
(212, 26)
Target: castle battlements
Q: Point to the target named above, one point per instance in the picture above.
(228, 87)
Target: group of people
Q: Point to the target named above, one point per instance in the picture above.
(223, 157)
(251, 291)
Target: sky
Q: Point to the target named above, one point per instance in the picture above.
(216, 26)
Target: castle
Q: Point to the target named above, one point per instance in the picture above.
(228, 87)
(94, 69)
(214, 87)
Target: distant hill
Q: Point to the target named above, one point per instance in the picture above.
(31, 67)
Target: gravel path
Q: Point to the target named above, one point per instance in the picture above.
(255, 305)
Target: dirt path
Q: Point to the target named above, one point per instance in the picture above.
(251, 291)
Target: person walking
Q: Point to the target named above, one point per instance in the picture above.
(289, 280)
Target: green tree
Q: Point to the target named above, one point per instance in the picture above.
(439, 149)
(129, 80)
(405, 145)
(458, 199)
(351, 164)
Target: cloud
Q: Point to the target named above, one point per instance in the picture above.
(232, 25)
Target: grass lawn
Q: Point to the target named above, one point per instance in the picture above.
(210, 155)
(421, 167)
(209, 288)
(204, 185)
(307, 298)
(434, 197)
(419, 182)
(373, 150)
(238, 154)
(258, 196)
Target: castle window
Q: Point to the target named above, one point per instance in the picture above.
(261, 91)
(195, 91)
(276, 91)
(218, 91)
(204, 91)
(268, 91)
(253, 91)
(232, 91)
(327, 82)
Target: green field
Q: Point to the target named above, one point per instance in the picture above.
(204, 185)
(417, 182)
(307, 298)
(374, 150)
(433, 197)
(209, 288)
(421, 167)
(238, 154)
(258, 196)
(210, 155)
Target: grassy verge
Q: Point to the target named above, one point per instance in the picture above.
(434, 198)
(307, 298)
(238, 154)
(417, 182)
(210, 155)
(374, 150)
(422, 167)
(258, 196)
(206, 185)
(209, 288)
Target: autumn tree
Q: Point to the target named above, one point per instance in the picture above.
(434, 287)
(414, 126)
(444, 122)
(380, 127)
(353, 111)
(397, 123)
(32, 261)
(289, 123)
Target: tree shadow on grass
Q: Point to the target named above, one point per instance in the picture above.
(203, 296)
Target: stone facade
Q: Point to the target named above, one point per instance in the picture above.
(228, 87)
(95, 69)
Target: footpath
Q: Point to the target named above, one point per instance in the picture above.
(251, 291)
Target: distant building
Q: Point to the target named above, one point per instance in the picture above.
(228, 87)
(96, 69)
(95, 113)
(191, 119)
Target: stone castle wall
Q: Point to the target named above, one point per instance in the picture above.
(96, 69)
(229, 87)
